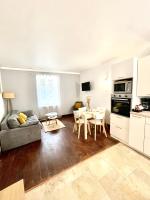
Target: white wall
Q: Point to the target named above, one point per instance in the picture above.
(2, 109)
(100, 79)
(23, 84)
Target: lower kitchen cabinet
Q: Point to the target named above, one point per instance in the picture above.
(139, 133)
(119, 128)
(136, 132)
(147, 139)
(147, 146)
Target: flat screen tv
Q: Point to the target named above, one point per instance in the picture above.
(86, 86)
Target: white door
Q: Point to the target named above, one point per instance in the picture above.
(136, 132)
(143, 88)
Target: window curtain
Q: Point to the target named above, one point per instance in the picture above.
(48, 93)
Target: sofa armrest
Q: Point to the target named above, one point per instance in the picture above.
(2, 132)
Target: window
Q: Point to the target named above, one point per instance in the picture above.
(48, 90)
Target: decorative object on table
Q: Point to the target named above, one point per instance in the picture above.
(8, 96)
(138, 108)
(79, 121)
(77, 105)
(88, 102)
(99, 120)
(51, 116)
(52, 126)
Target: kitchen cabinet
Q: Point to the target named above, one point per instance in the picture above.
(147, 137)
(136, 132)
(122, 70)
(119, 127)
(143, 88)
(139, 133)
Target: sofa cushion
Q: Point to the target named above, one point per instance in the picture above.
(29, 113)
(13, 121)
(30, 121)
(21, 120)
(23, 116)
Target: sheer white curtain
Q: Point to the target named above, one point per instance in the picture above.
(48, 93)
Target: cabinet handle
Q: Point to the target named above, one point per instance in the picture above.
(118, 117)
(118, 127)
(136, 116)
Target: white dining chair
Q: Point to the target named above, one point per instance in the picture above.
(98, 120)
(79, 121)
(82, 109)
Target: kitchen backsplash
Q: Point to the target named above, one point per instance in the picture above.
(146, 103)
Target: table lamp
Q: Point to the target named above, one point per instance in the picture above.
(8, 96)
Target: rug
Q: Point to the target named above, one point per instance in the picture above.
(52, 126)
(117, 173)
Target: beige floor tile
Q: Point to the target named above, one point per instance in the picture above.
(117, 173)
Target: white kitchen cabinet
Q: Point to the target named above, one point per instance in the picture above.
(147, 137)
(122, 70)
(136, 132)
(119, 128)
(143, 88)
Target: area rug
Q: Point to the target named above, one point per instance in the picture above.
(116, 173)
(52, 126)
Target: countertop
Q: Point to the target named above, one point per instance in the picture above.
(142, 114)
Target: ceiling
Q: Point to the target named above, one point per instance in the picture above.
(72, 35)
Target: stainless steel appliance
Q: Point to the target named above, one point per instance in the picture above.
(123, 86)
(121, 104)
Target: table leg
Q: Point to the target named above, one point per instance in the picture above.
(85, 128)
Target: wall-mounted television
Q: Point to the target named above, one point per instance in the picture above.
(86, 86)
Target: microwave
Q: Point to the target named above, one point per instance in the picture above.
(123, 87)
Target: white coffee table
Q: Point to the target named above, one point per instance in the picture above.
(51, 116)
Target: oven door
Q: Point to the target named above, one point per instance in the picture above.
(120, 87)
(121, 106)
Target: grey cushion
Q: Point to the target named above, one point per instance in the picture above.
(13, 121)
(29, 113)
(30, 121)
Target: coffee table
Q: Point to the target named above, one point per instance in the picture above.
(51, 116)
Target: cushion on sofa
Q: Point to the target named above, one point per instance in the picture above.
(30, 121)
(28, 113)
(13, 121)
(21, 120)
(23, 116)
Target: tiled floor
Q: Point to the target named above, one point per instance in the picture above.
(118, 173)
(57, 151)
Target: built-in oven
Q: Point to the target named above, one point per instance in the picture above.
(123, 86)
(121, 104)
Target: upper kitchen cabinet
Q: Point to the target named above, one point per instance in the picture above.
(123, 70)
(143, 88)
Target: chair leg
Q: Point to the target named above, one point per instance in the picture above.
(100, 128)
(79, 131)
(89, 128)
(104, 130)
(74, 128)
(95, 133)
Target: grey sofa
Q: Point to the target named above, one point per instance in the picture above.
(17, 135)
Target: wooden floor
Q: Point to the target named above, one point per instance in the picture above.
(55, 152)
